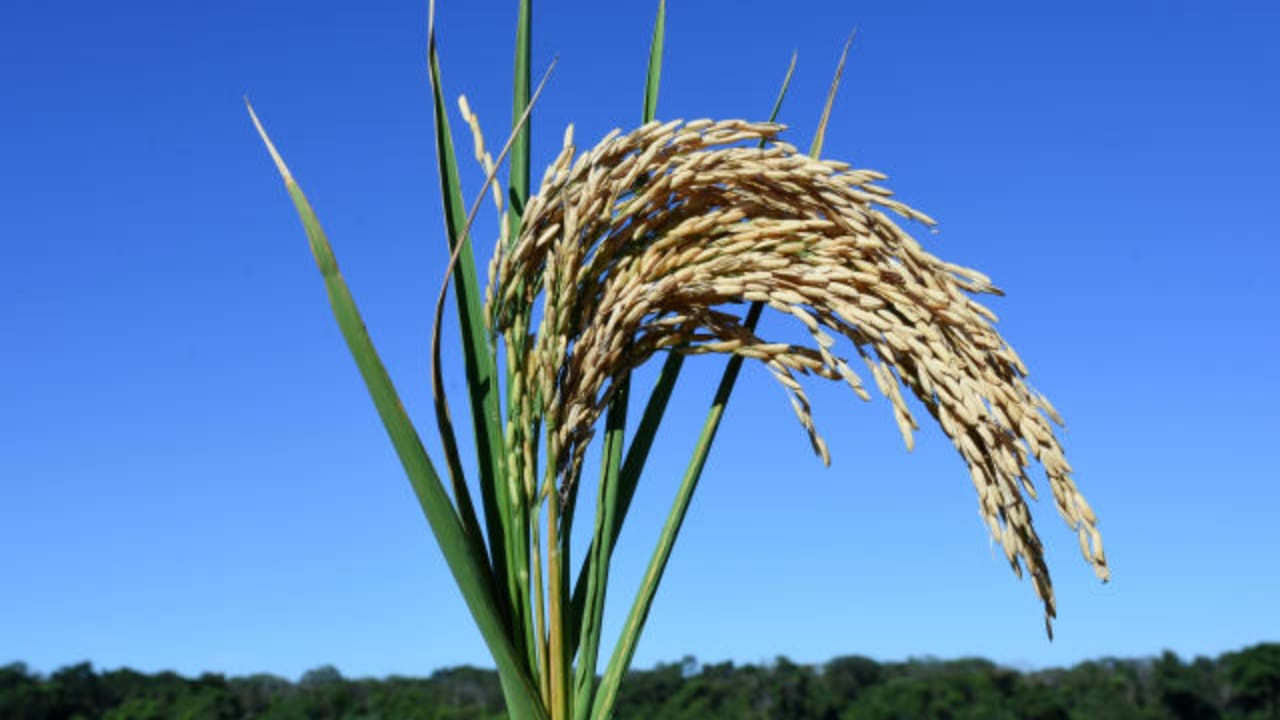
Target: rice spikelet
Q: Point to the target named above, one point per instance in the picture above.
(637, 245)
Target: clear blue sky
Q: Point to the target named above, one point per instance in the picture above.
(191, 474)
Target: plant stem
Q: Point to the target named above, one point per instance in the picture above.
(555, 595)
(597, 568)
(469, 568)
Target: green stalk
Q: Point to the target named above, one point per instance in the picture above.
(540, 616)
(561, 660)
(624, 651)
(437, 377)
(653, 78)
(469, 568)
(482, 378)
(654, 411)
(815, 148)
(597, 568)
(517, 528)
(612, 461)
(519, 177)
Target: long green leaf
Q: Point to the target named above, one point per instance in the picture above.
(468, 567)
(652, 81)
(597, 567)
(437, 376)
(517, 531)
(820, 135)
(638, 453)
(482, 378)
(519, 177)
(653, 77)
(624, 651)
(629, 476)
(612, 461)
(655, 409)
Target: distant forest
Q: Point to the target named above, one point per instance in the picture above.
(1244, 684)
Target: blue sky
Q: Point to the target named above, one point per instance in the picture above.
(191, 474)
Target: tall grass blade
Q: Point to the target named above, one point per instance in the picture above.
(437, 374)
(820, 135)
(653, 414)
(638, 452)
(653, 77)
(518, 180)
(656, 407)
(652, 81)
(624, 651)
(468, 567)
(786, 83)
(518, 194)
(482, 379)
(599, 554)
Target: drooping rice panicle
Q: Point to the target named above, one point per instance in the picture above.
(631, 247)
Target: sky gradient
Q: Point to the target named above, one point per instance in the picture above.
(192, 476)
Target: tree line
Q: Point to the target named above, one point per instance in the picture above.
(1243, 685)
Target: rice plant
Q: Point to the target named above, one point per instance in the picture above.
(643, 245)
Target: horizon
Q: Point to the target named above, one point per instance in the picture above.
(699, 663)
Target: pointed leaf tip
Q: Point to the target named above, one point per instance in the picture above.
(820, 136)
(271, 147)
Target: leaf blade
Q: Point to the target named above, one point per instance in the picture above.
(517, 532)
(467, 566)
(629, 638)
(653, 76)
(478, 361)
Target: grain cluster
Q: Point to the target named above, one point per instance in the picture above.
(649, 241)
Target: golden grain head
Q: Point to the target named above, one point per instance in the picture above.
(639, 244)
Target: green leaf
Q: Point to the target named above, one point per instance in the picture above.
(600, 552)
(612, 461)
(519, 177)
(468, 567)
(654, 75)
(624, 651)
(482, 378)
(517, 532)
(655, 409)
(819, 136)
